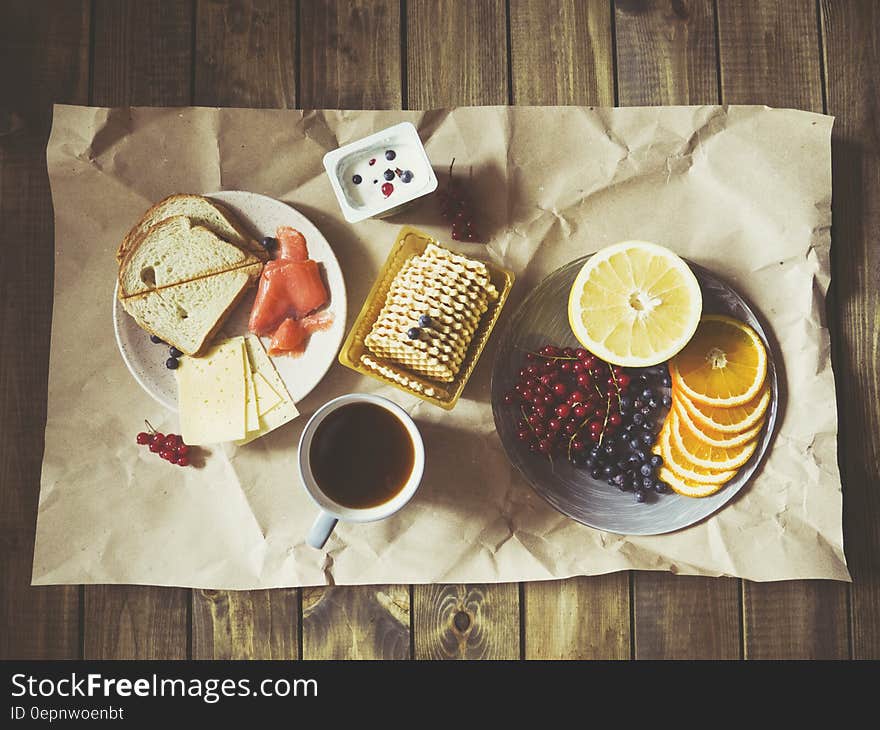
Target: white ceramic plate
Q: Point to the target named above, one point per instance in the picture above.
(261, 215)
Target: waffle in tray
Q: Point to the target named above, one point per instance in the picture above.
(427, 319)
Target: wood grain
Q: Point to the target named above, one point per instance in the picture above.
(852, 52)
(476, 621)
(799, 619)
(142, 56)
(343, 66)
(578, 618)
(356, 622)
(245, 56)
(666, 55)
(561, 52)
(350, 54)
(128, 622)
(456, 53)
(44, 51)
(245, 624)
(245, 53)
(666, 52)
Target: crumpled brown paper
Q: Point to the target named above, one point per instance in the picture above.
(745, 191)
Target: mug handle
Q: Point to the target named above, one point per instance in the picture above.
(321, 529)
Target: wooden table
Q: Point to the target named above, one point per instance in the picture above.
(821, 56)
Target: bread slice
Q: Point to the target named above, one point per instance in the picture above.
(189, 314)
(201, 211)
(174, 251)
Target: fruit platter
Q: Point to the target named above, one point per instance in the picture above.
(659, 441)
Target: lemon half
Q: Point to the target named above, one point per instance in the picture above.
(635, 304)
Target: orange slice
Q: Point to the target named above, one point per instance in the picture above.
(709, 436)
(724, 364)
(685, 487)
(698, 453)
(726, 420)
(678, 463)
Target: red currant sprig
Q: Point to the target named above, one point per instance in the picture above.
(455, 207)
(169, 447)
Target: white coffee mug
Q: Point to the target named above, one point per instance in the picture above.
(332, 511)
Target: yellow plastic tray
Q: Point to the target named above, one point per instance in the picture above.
(411, 242)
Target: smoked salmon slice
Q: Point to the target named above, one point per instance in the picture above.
(291, 287)
(291, 335)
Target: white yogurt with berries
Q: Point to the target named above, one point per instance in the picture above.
(379, 174)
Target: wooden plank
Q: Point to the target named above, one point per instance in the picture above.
(44, 58)
(666, 55)
(769, 54)
(356, 622)
(562, 53)
(350, 54)
(666, 52)
(135, 622)
(142, 56)
(578, 618)
(466, 621)
(457, 54)
(245, 53)
(245, 56)
(343, 66)
(852, 52)
(686, 617)
(245, 624)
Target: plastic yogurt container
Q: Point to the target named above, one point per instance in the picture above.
(378, 175)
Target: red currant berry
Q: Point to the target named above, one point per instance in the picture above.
(623, 380)
(570, 429)
(581, 354)
(562, 410)
(554, 424)
(578, 396)
(584, 380)
(167, 454)
(578, 445)
(580, 412)
(560, 390)
(535, 420)
(182, 461)
(541, 410)
(540, 431)
(524, 434)
(614, 419)
(595, 428)
(155, 447)
(143, 438)
(510, 398)
(545, 446)
(565, 366)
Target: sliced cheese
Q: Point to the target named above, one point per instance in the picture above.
(252, 415)
(267, 397)
(212, 394)
(274, 404)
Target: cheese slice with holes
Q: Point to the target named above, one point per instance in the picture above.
(212, 394)
(274, 404)
(252, 414)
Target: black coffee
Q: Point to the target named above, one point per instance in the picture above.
(361, 455)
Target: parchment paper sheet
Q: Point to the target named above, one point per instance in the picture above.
(745, 191)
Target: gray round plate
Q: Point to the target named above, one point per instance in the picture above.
(543, 318)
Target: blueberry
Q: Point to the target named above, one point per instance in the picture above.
(661, 487)
(653, 404)
(268, 242)
(667, 381)
(390, 154)
(388, 174)
(407, 176)
(174, 352)
(646, 411)
(641, 496)
(648, 483)
(656, 461)
(594, 452)
(633, 482)
(357, 179)
(667, 400)
(595, 473)
(634, 444)
(156, 340)
(425, 321)
(413, 333)
(609, 471)
(647, 394)
(171, 363)
(638, 418)
(590, 462)
(646, 470)
(625, 403)
(633, 459)
(641, 454)
(637, 404)
(609, 449)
